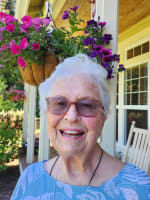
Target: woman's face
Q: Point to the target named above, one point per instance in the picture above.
(71, 133)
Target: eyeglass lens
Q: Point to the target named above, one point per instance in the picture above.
(85, 107)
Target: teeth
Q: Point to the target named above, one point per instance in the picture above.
(71, 133)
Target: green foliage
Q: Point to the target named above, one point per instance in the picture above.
(10, 137)
(5, 103)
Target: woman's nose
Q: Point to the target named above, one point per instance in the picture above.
(72, 114)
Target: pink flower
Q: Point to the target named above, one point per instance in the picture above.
(21, 61)
(11, 43)
(36, 20)
(27, 21)
(10, 28)
(3, 15)
(22, 95)
(102, 24)
(3, 47)
(36, 46)
(24, 43)
(2, 28)
(37, 27)
(9, 19)
(23, 29)
(46, 21)
(15, 49)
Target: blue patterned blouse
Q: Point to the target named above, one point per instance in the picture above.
(35, 183)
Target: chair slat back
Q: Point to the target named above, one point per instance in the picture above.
(140, 149)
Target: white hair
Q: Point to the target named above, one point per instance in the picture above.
(79, 64)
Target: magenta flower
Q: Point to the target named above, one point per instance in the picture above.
(11, 43)
(27, 21)
(37, 27)
(21, 61)
(99, 48)
(10, 28)
(24, 43)
(102, 24)
(35, 46)
(107, 52)
(23, 29)
(9, 19)
(3, 47)
(15, 49)
(2, 28)
(46, 21)
(36, 20)
(3, 15)
(107, 59)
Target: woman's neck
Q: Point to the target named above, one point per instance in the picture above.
(78, 166)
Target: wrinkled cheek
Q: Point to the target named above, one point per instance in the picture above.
(91, 123)
(95, 125)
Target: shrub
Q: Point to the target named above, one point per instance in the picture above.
(10, 136)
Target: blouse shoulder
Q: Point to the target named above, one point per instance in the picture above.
(29, 175)
(133, 173)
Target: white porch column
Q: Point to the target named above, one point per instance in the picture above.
(25, 114)
(44, 150)
(30, 128)
(108, 11)
(21, 8)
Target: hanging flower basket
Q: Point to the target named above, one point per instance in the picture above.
(37, 73)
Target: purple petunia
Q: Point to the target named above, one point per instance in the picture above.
(94, 54)
(107, 52)
(99, 48)
(65, 15)
(88, 41)
(74, 8)
(106, 38)
(121, 68)
(92, 23)
(109, 75)
(116, 57)
(107, 59)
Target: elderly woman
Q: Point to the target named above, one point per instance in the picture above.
(76, 100)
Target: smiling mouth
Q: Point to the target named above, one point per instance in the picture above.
(71, 133)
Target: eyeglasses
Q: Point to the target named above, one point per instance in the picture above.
(85, 107)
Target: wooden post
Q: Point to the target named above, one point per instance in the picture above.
(108, 11)
(25, 114)
(31, 121)
(44, 150)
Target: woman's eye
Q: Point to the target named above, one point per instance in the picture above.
(60, 103)
(87, 105)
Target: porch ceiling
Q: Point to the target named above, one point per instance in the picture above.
(130, 12)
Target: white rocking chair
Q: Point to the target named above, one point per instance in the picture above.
(139, 152)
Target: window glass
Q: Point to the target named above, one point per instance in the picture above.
(137, 50)
(143, 69)
(136, 85)
(135, 71)
(143, 84)
(145, 47)
(139, 116)
(130, 53)
(127, 99)
(143, 98)
(135, 98)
